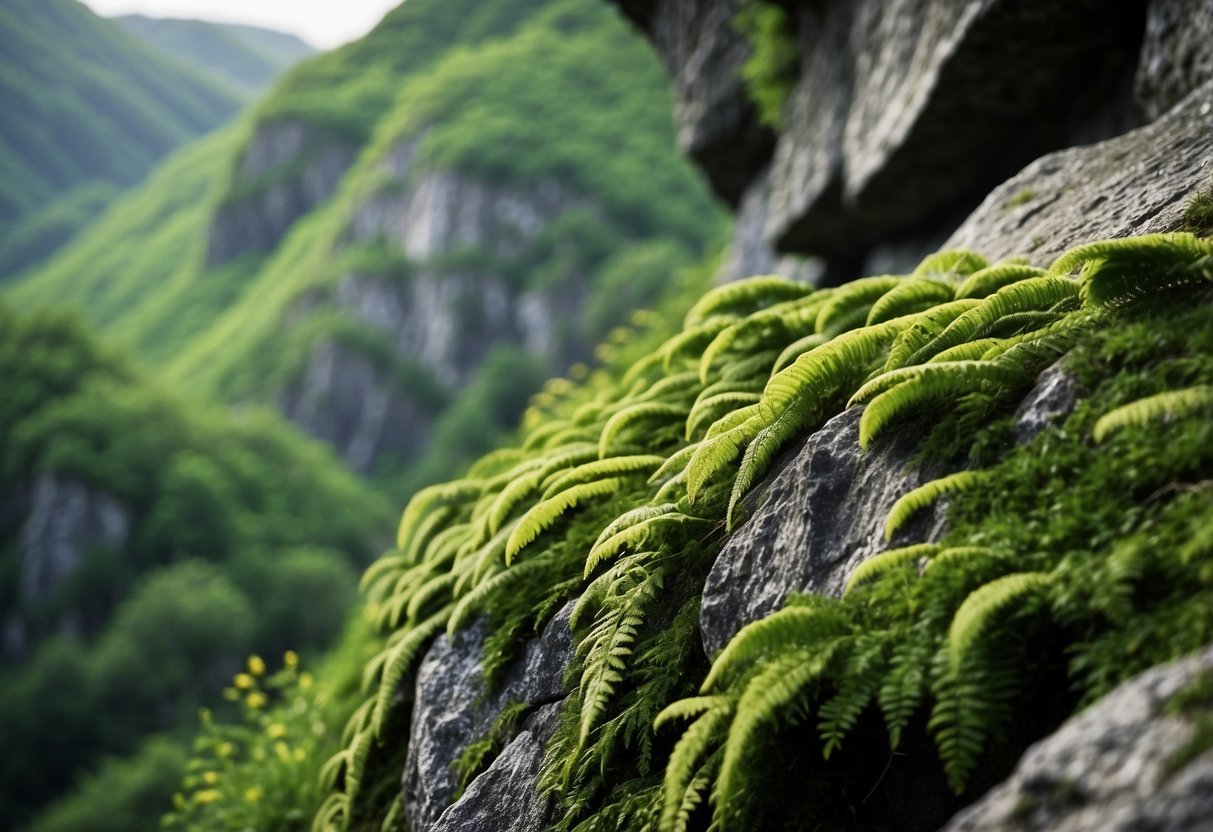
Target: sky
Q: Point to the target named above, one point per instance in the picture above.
(322, 23)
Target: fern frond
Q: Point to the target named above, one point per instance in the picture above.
(796, 349)
(643, 411)
(520, 489)
(1160, 249)
(692, 341)
(762, 450)
(887, 561)
(543, 515)
(436, 587)
(693, 706)
(909, 296)
(710, 410)
(428, 500)
(781, 323)
(924, 495)
(1033, 294)
(846, 302)
(615, 466)
(959, 555)
(716, 452)
(744, 296)
(978, 610)
(385, 568)
(914, 386)
(1173, 404)
(926, 326)
(684, 759)
(792, 627)
(989, 280)
(950, 263)
(633, 536)
(474, 601)
(415, 544)
(400, 658)
(862, 674)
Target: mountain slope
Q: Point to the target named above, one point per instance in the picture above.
(396, 214)
(86, 103)
(248, 57)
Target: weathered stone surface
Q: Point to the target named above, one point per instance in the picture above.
(66, 519)
(1050, 401)
(357, 406)
(505, 798)
(904, 109)
(1106, 770)
(300, 171)
(1138, 183)
(717, 125)
(750, 253)
(452, 710)
(817, 518)
(1176, 53)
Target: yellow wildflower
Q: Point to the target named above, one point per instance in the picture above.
(255, 665)
(256, 700)
(282, 751)
(225, 750)
(290, 659)
(300, 755)
(276, 731)
(305, 681)
(207, 796)
(210, 778)
(253, 794)
(243, 681)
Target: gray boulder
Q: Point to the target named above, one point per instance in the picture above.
(1110, 768)
(453, 709)
(1138, 183)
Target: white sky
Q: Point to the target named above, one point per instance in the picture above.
(322, 23)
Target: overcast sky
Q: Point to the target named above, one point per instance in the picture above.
(322, 23)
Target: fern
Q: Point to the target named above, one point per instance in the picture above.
(1173, 404)
(616, 466)
(889, 560)
(543, 515)
(641, 412)
(847, 302)
(710, 410)
(743, 296)
(911, 295)
(405, 649)
(428, 500)
(975, 615)
(680, 772)
(799, 627)
(950, 263)
(796, 349)
(863, 672)
(924, 495)
(989, 280)
(633, 536)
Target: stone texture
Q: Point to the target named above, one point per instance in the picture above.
(1106, 769)
(1176, 53)
(902, 110)
(1138, 183)
(504, 798)
(1051, 400)
(66, 519)
(750, 253)
(310, 170)
(817, 518)
(452, 709)
(717, 125)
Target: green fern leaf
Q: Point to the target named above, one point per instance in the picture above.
(710, 410)
(642, 412)
(616, 466)
(1173, 404)
(428, 500)
(801, 628)
(796, 349)
(543, 515)
(909, 296)
(978, 610)
(407, 646)
(684, 759)
(475, 601)
(950, 263)
(987, 281)
(845, 304)
(924, 495)
(744, 296)
(887, 561)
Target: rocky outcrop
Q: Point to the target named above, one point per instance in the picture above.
(452, 709)
(1175, 54)
(1112, 768)
(1138, 183)
(286, 170)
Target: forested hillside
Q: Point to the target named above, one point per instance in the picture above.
(88, 108)
(504, 168)
(247, 57)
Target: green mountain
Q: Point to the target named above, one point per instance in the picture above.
(470, 181)
(87, 106)
(248, 57)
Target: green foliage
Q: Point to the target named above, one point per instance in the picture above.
(957, 650)
(1173, 404)
(770, 70)
(105, 110)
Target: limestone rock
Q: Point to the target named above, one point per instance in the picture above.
(718, 127)
(284, 173)
(817, 518)
(1176, 53)
(1050, 401)
(750, 253)
(1108, 768)
(505, 798)
(1138, 183)
(452, 709)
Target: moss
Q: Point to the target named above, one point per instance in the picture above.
(1022, 197)
(1195, 703)
(769, 72)
(477, 756)
(1198, 214)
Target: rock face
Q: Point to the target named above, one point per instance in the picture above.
(452, 710)
(285, 172)
(1138, 183)
(1175, 53)
(818, 518)
(1109, 768)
